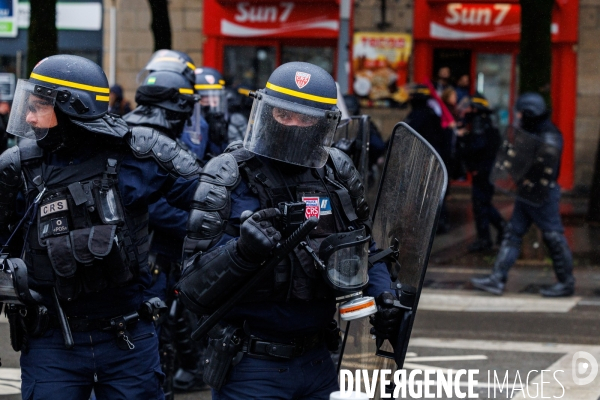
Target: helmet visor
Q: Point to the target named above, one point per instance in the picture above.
(213, 101)
(32, 112)
(290, 132)
(346, 259)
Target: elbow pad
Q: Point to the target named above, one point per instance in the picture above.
(210, 278)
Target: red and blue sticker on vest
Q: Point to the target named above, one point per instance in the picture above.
(317, 206)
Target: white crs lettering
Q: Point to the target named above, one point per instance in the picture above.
(266, 13)
(56, 206)
(460, 14)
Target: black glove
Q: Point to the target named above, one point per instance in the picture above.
(386, 321)
(258, 236)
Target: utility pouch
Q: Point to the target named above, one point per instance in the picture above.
(223, 352)
(16, 325)
(92, 276)
(104, 245)
(60, 253)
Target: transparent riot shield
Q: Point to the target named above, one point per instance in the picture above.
(405, 216)
(352, 137)
(524, 166)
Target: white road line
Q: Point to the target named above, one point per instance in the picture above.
(445, 300)
(10, 381)
(446, 358)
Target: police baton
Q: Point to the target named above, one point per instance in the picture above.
(281, 250)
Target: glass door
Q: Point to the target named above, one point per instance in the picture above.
(248, 65)
(493, 79)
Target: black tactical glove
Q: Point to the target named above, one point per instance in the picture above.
(386, 321)
(258, 236)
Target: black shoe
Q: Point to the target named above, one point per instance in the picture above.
(480, 245)
(187, 380)
(559, 289)
(490, 284)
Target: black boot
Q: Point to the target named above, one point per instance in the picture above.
(501, 228)
(562, 261)
(494, 283)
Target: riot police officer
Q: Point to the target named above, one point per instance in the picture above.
(537, 202)
(478, 144)
(224, 126)
(281, 327)
(166, 103)
(80, 182)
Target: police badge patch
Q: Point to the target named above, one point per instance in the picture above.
(302, 79)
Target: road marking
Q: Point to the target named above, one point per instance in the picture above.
(10, 381)
(445, 358)
(443, 300)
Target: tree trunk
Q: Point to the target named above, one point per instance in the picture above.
(161, 27)
(42, 33)
(593, 214)
(535, 60)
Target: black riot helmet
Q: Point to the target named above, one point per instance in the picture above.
(73, 86)
(531, 105)
(480, 103)
(295, 116)
(419, 93)
(170, 60)
(168, 90)
(210, 85)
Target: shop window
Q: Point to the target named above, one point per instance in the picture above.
(493, 79)
(248, 65)
(321, 56)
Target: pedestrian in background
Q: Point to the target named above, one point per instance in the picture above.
(116, 103)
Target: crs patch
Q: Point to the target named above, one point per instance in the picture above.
(302, 79)
(55, 206)
(313, 208)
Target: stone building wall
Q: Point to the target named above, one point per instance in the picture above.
(135, 42)
(587, 122)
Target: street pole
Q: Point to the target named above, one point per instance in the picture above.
(112, 74)
(343, 61)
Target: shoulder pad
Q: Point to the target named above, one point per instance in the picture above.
(142, 140)
(149, 143)
(109, 125)
(10, 168)
(222, 170)
(29, 150)
(235, 145)
(344, 167)
(186, 164)
(165, 149)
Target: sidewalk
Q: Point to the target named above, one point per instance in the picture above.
(451, 266)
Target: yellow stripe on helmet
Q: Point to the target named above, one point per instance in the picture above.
(208, 87)
(70, 84)
(245, 92)
(101, 98)
(306, 96)
(186, 91)
(483, 102)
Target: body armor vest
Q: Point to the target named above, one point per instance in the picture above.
(333, 193)
(81, 239)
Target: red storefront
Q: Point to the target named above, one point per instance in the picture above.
(247, 40)
(481, 38)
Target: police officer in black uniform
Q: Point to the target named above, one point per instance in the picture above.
(224, 126)
(538, 198)
(235, 222)
(79, 183)
(478, 144)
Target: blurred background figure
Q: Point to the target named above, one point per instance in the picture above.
(116, 103)
(479, 143)
(442, 80)
(423, 119)
(4, 114)
(463, 88)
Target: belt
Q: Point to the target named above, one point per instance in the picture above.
(264, 349)
(86, 324)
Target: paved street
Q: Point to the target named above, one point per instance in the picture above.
(457, 327)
